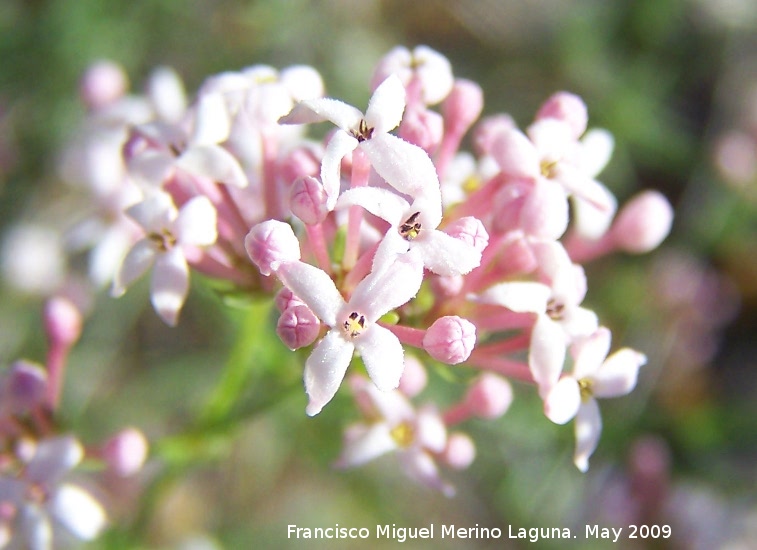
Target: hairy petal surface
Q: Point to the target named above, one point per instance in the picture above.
(325, 369)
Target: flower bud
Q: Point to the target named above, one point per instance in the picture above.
(450, 339)
(307, 200)
(487, 131)
(302, 161)
(462, 106)
(446, 286)
(270, 243)
(298, 326)
(469, 230)
(62, 322)
(414, 377)
(643, 223)
(23, 387)
(285, 298)
(103, 83)
(490, 396)
(567, 107)
(460, 451)
(423, 128)
(125, 452)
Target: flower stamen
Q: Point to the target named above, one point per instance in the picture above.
(403, 434)
(355, 324)
(164, 241)
(363, 131)
(411, 228)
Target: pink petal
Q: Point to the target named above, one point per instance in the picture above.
(381, 292)
(363, 443)
(563, 400)
(213, 162)
(169, 284)
(325, 369)
(589, 353)
(516, 155)
(314, 287)
(196, 222)
(445, 255)
(339, 145)
(403, 165)
(137, 261)
(546, 353)
(617, 375)
(588, 428)
(383, 356)
(386, 106)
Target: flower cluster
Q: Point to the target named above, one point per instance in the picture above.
(386, 246)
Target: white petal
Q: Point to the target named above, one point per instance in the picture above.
(339, 145)
(383, 203)
(213, 162)
(445, 255)
(403, 165)
(137, 261)
(169, 284)
(302, 82)
(552, 138)
(153, 166)
(344, 116)
(546, 353)
(591, 222)
(363, 443)
(108, 255)
(77, 511)
(36, 528)
(390, 247)
(579, 184)
(212, 122)
(419, 465)
(435, 72)
(386, 106)
(589, 353)
(617, 375)
(314, 287)
(519, 296)
(155, 213)
(53, 458)
(432, 432)
(325, 368)
(167, 94)
(516, 155)
(381, 292)
(196, 222)
(578, 322)
(596, 149)
(383, 356)
(392, 406)
(563, 400)
(588, 428)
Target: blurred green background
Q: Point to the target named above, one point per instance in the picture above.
(667, 77)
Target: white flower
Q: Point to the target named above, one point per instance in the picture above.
(353, 324)
(169, 234)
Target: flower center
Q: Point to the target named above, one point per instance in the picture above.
(363, 131)
(355, 324)
(164, 241)
(403, 434)
(548, 168)
(555, 310)
(586, 387)
(410, 229)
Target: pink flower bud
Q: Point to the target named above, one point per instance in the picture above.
(23, 387)
(487, 131)
(307, 200)
(450, 339)
(447, 286)
(125, 452)
(102, 83)
(298, 327)
(545, 211)
(489, 396)
(517, 257)
(459, 452)
(462, 106)
(469, 230)
(643, 223)
(62, 322)
(301, 162)
(285, 298)
(270, 243)
(414, 377)
(567, 107)
(423, 128)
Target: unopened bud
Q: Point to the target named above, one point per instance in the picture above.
(285, 298)
(487, 131)
(125, 452)
(450, 339)
(460, 451)
(414, 377)
(469, 230)
(298, 326)
(23, 387)
(270, 243)
(307, 200)
(567, 107)
(462, 106)
(103, 83)
(643, 223)
(490, 396)
(422, 127)
(63, 322)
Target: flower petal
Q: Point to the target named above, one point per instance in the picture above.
(578, 322)
(588, 428)
(363, 443)
(563, 400)
(213, 162)
(54, 458)
(420, 466)
(155, 213)
(386, 106)
(383, 203)
(403, 165)
(325, 369)
(321, 109)
(516, 155)
(589, 353)
(212, 122)
(518, 296)
(137, 261)
(77, 511)
(314, 287)
(196, 222)
(381, 292)
(596, 149)
(36, 528)
(617, 375)
(169, 284)
(445, 255)
(383, 356)
(546, 353)
(389, 249)
(339, 145)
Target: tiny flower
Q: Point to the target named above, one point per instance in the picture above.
(428, 68)
(352, 324)
(595, 375)
(450, 339)
(270, 243)
(169, 233)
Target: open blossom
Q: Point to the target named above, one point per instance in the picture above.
(169, 235)
(595, 375)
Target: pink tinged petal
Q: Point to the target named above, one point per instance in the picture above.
(382, 292)
(271, 243)
(386, 106)
(309, 111)
(546, 353)
(155, 213)
(392, 406)
(53, 458)
(445, 255)
(589, 353)
(213, 162)
(518, 296)
(435, 72)
(302, 82)
(212, 122)
(363, 443)
(325, 369)
(553, 259)
(339, 145)
(578, 322)
(563, 400)
(383, 203)
(552, 138)
(591, 222)
(618, 374)
(383, 356)
(545, 211)
(588, 428)
(152, 166)
(515, 154)
(196, 222)
(469, 230)
(107, 255)
(389, 249)
(431, 431)
(167, 94)
(169, 285)
(568, 108)
(596, 149)
(577, 183)
(419, 465)
(314, 287)
(404, 166)
(137, 261)
(77, 511)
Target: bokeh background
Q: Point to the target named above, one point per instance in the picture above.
(671, 79)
